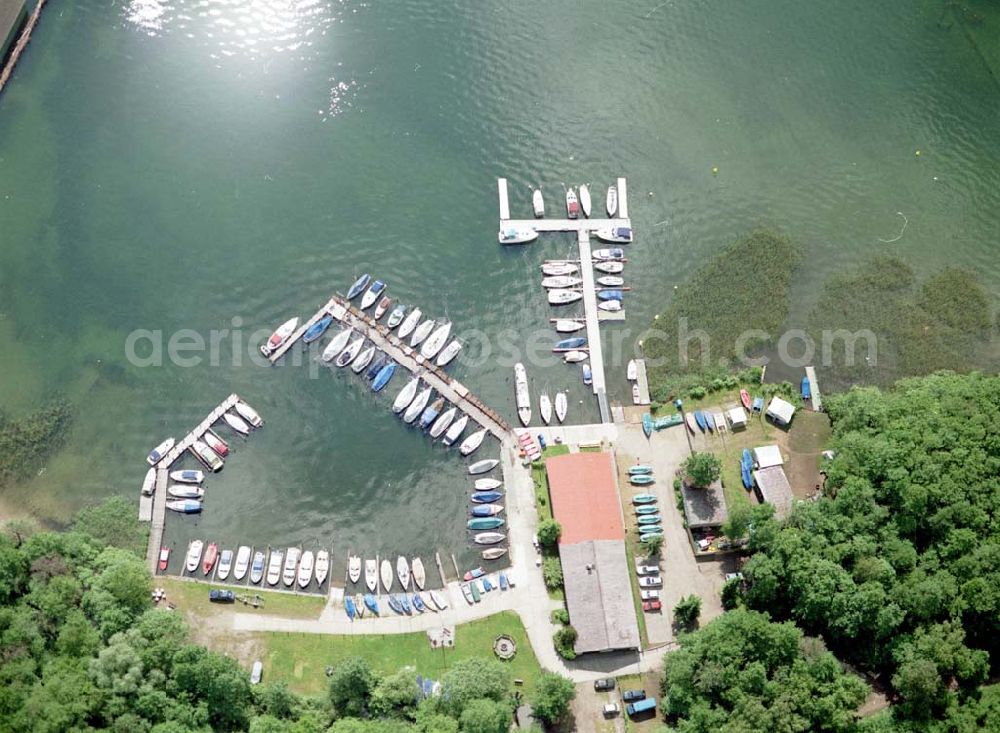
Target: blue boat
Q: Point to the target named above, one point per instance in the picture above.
(487, 584)
(710, 421)
(349, 607)
(395, 605)
(806, 388)
(649, 535)
(376, 366)
(699, 418)
(647, 424)
(431, 413)
(418, 602)
(503, 582)
(758, 404)
(588, 376)
(571, 343)
(383, 376)
(405, 603)
(186, 506)
(360, 284)
(610, 295)
(485, 510)
(648, 519)
(651, 529)
(372, 603)
(317, 329)
(746, 469)
(486, 497)
(647, 509)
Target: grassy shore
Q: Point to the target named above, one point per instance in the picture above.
(192, 598)
(301, 659)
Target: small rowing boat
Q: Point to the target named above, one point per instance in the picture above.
(565, 325)
(562, 403)
(611, 203)
(317, 329)
(430, 414)
(691, 422)
(488, 538)
(360, 284)
(409, 323)
(641, 480)
(494, 553)
(806, 388)
(485, 523)
(376, 366)
(486, 497)
(406, 395)
(644, 499)
(515, 235)
(745, 398)
(709, 421)
(211, 555)
(563, 297)
(639, 470)
(486, 510)
(572, 204)
(574, 342)
(559, 268)
(372, 603)
(483, 466)
(487, 484)
(349, 608)
(699, 417)
(471, 444)
(448, 353)
(156, 455)
(538, 203)
(610, 295)
(382, 307)
(585, 200)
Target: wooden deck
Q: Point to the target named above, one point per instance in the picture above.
(817, 402)
(642, 381)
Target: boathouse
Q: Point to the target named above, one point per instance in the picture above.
(780, 411)
(584, 494)
(772, 487)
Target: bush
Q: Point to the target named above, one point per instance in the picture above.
(687, 611)
(696, 393)
(560, 616)
(703, 468)
(548, 533)
(564, 639)
(653, 544)
(552, 573)
(732, 595)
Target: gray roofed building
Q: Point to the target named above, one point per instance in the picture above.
(773, 487)
(705, 507)
(598, 596)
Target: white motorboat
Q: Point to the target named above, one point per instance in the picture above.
(422, 332)
(291, 563)
(385, 571)
(563, 297)
(149, 482)
(561, 281)
(216, 443)
(610, 281)
(585, 200)
(186, 491)
(396, 317)
(572, 357)
(456, 430)
(193, 555)
(572, 204)
(403, 572)
(156, 455)
(382, 307)
(438, 600)
(306, 565)
(632, 370)
(409, 323)
(351, 352)
(208, 456)
(417, 406)
(436, 341)
(372, 294)
(487, 484)
(354, 568)
(242, 563)
(248, 413)
(371, 575)
(448, 353)
(483, 466)
(363, 360)
(612, 201)
(605, 253)
(471, 444)
(545, 407)
(538, 203)
(562, 403)
(612, 268)
(280, 336)
(514, 235)
(406, 395)
(257, 567)
(559, 268)
(417, 571)
(619, 235)
(225, 564)
(442, 423)
(187, 476)
(236, 422)
(274, 567)
(611, 306)
(322, 566)
(521, 395)
(337, 344)
(569, 326)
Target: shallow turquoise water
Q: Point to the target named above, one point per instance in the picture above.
(178, 165)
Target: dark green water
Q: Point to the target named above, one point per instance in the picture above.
(176, 165)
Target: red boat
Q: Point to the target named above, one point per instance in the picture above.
(216, 443)
(572, 204)
(211, 553)
(745, 398)
(164, 557)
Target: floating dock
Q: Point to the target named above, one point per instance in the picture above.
(817, 403)
(593, 327)
(643, 381)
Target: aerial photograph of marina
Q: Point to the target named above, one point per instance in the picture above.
(440, 367)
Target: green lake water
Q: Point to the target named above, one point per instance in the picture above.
(176, 165)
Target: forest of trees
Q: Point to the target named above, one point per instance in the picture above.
(82, 648)
(896, 569)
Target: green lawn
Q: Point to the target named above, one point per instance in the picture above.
(650, 682)
(301, 659)
(543, 502)
(192, 597)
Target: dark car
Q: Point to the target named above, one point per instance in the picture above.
(221, 596)
(633, 695)
(605, 683)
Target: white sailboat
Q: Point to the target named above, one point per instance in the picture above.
(354, 568)
(443, 422)
(545, 407)
(337, 344)
(409, 323)
(561, 406)
(565, 325)
(559, 268)
(371, 574)
(521, 395)
(585, 200)
(456, 430)
(406, 395)
(435, 342)
(612, 200)
(471, 444)
(561, 281)
(422, 331)
(417, 406)
(632, 370)
(448, 353)
(563, 297)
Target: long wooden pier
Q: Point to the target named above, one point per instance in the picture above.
(817, 402)
(593, 328)
(643, 382)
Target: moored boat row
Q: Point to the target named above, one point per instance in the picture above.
(291, 567)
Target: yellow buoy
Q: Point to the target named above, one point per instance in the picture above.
(917, 153)
(715, 170)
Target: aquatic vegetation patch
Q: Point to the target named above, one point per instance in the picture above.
(26, 443)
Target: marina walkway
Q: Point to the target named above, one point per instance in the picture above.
(643, 382)
(817, 402)
(593, 326)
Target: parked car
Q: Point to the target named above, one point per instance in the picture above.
(649, 595)
(734, 576)
(611, 709)
(650, 581)
(633, 695)
(605, 683)
(221, 596)
(642, 706)
(255, 674)
(651, 606)
(647, 569)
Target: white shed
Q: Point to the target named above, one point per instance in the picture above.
(780, 411)
(737, 417)
(767, 456)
